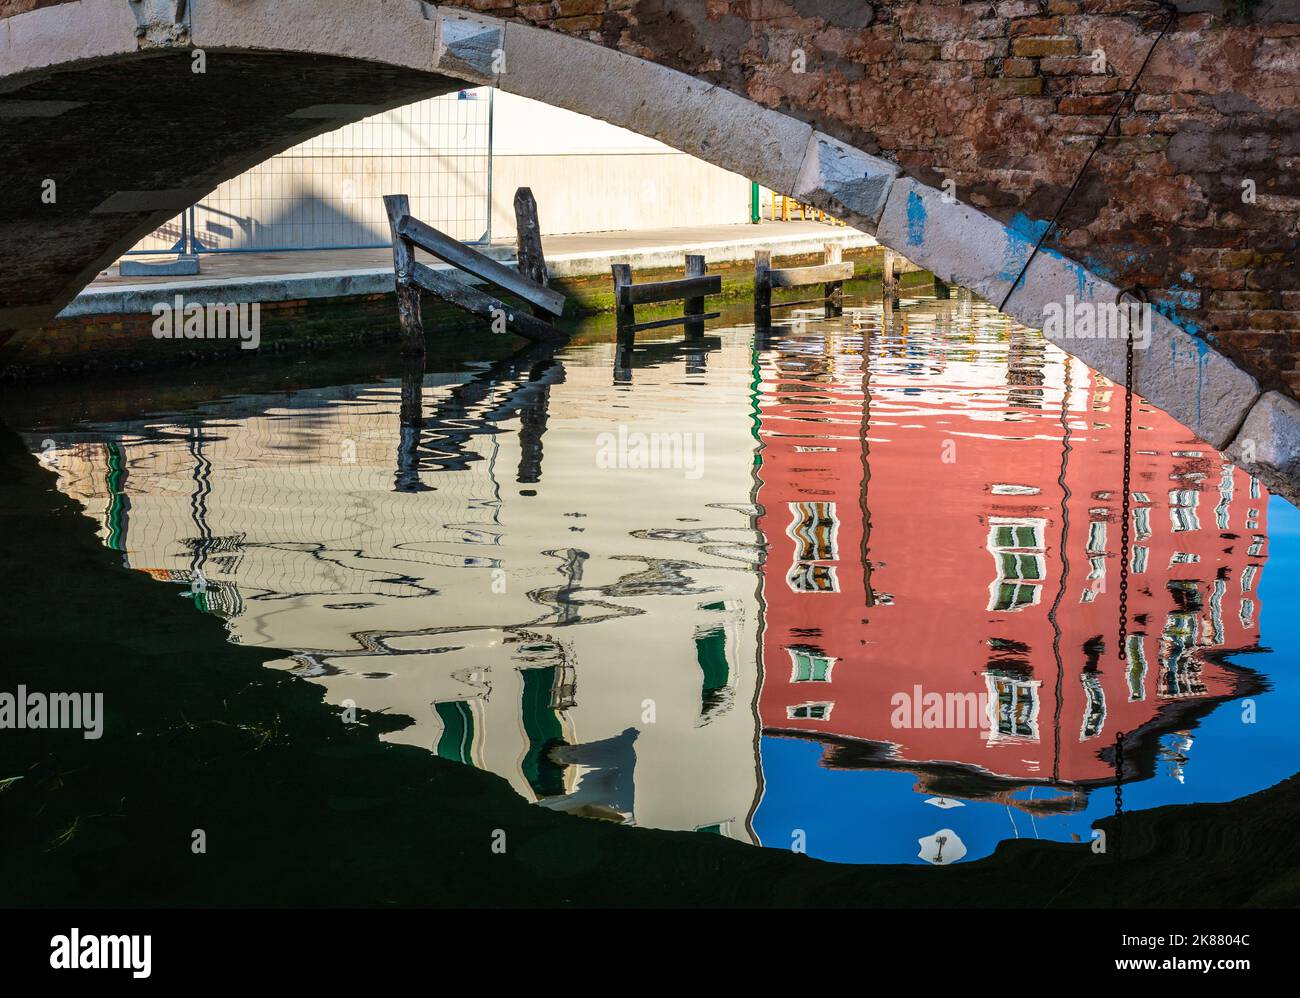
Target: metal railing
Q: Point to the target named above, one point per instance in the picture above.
(327, 192)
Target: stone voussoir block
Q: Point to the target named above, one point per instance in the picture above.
(470, 47)
(1054, 282)
(955, 242)
(396, 32)
(1268, 443)
(686, 113)
(1189, 379)
(38, 38)
(1173, 370)
(852, 185)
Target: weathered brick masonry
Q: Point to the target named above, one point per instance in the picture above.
(1005, 100)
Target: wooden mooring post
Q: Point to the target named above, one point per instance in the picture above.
(763, 289)
(398, 207)
(528, 243)
(889, 277)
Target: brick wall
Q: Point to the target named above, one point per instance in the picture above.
(1007, 99)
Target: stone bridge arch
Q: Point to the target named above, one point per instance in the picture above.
(94, 93)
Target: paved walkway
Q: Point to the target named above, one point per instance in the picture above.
(236, 277)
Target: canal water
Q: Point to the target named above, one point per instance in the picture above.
(850, 588)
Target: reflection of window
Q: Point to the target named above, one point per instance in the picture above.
(813, 528)
(1094, 711)
(1137, 667)
(1140, 556)
(1180, 672)
(711, 654)
(1097, 538)
(1216, 609)
(1010, 596)
(1019, 556)
(809, 667)
(544, 729)
(1183, 558)
(1182, 509)
(1014, 535)
(1015, 705)
(457, 739)
(1225, 497)
(1141, 524)
(806, 578)
(1021, 566)
(809, 712)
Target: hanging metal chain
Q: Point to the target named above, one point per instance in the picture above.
(1119, 777)
(1117, 830)
(1127, 501)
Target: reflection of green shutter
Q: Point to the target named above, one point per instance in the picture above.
(542, 726)
(1015, 537)
(457, 740)
(115, 517)
(811, 668)
(711, 653)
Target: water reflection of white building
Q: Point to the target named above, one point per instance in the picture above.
(590, 637)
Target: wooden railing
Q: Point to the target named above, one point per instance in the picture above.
(690, 290)
(831, 274)
(528, 283)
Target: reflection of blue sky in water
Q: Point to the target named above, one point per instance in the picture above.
(877, 817)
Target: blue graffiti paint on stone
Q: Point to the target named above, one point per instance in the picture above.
(915, 219)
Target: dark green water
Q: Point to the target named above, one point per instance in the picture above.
(376, 666)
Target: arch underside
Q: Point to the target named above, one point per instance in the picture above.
(132, 136)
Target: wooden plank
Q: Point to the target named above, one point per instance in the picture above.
(462, 257)
(685, 287)
(528, 242)
(624, 313)
(408, 295)
(801, 301)
(655, 324)
(800, 277)
(695, 305)
(484, 306)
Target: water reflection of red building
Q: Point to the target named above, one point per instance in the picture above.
(991, 566)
